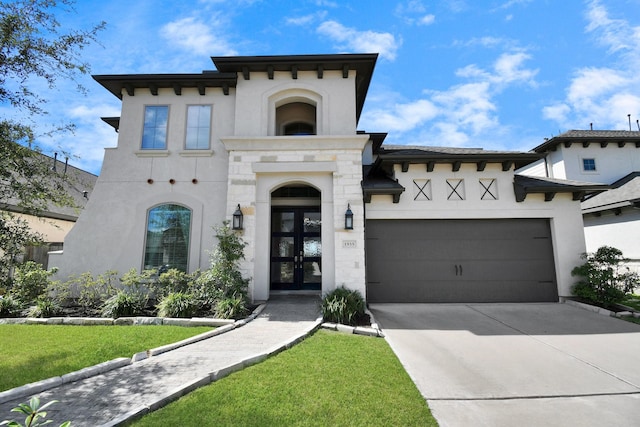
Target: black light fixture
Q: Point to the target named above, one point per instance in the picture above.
(348, 218)
(237, 219)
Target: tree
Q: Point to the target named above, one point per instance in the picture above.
(33, 48)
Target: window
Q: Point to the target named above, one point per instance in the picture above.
(589, 165)
(198, 127)
(167, 243)
(154, 135)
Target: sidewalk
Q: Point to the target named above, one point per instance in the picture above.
(116, 396)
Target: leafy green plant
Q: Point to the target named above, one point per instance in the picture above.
(124, 304)
(343, 305)
(223, 280)
(177, 304)
(31, 281)
(94, 292)
(173, 280)
(10, 307)
(604, 279)
(35, 414)
(45, 307)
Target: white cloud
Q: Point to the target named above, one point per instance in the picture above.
(460, 113)
(361, 41)
(197, 37)
(427, 20)
(603, 95)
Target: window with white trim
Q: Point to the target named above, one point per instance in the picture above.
(167, 240)
(198, 127)
(589, 165)
(154, 133)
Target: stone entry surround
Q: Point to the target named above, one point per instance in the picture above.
(331, 164)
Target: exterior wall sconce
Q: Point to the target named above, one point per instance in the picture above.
(348, 218)
(237, 219)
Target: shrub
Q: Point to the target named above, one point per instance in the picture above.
(343, 305)
(223, 280)
(172, 281)
(92, 292)
(604, 278)
(30, 282)
(124, 304)
(34, 412)
(45, 307)
(10, 307)
(177, 304)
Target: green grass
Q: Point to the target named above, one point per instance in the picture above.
(632, 301)
(329, 379)
(31, 353)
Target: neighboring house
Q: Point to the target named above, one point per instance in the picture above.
(611, 218)
(275, 138)
(56, 221)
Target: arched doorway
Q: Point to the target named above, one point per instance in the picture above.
(296, 239)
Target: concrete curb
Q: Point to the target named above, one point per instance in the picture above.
(101, 368)
(214, 376)
(373, 331)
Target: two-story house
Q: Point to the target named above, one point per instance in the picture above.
(611, 218)
(273, 141)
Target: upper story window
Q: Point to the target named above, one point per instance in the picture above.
(154, 134)
(589, 165)
(296, 118)
(198, 127)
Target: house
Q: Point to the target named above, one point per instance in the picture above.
(274, 140)
(55, 222)
(607, 157)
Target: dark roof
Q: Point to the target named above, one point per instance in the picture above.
(603, 137)
(79, 187)
(362, 63)
(624, 192)
(406, 155)
(372, 185)
(116, 83)
(524, 185)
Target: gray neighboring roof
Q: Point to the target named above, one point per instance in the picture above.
(81, 181)
(624, 192)
(524, 185)
(602, 137)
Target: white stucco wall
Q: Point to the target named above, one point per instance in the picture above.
(619, 231)
(110, 233)
(564, 213)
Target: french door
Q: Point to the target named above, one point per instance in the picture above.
(296, 248)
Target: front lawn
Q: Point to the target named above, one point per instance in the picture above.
(328, 379)
(632, 301)
(31, 353)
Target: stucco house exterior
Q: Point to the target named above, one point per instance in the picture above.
(323, 204)
(611, 218)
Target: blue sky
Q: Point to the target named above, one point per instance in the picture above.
(496, 74)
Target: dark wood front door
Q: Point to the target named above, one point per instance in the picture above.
(296, 248)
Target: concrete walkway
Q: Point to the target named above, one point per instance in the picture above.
(118, 395)
(518, 364)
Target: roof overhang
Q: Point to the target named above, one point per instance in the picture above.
(587, 137)
(117, 83)
(524, 185)
(363, 64)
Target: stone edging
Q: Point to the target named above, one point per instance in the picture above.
(373, 331)
(599, 310)
(43, 385)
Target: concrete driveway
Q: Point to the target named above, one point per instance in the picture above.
(518, 364)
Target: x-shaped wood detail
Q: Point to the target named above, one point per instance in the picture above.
(487, 190)
(421, 191)
(454, 189)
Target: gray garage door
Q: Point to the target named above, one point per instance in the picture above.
(502, 260)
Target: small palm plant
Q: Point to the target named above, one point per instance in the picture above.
(35, 413)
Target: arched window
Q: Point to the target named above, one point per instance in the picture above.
(167, 244)
(296, 118)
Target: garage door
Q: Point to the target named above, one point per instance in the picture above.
(502, 260)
